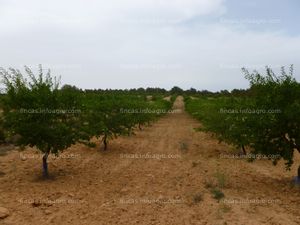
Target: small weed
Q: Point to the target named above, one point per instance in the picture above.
(197, 198)
(183, 146)
(221, 179)
(217, 194)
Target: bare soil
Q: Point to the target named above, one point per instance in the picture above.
(165, 174)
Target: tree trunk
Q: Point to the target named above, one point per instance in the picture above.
(105, 141)
(299, 173)
(140, 126)
(45, 164)
(244, 150)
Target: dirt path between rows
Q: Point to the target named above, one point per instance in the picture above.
(165, 174)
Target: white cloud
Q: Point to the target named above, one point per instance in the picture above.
(131, 43)
(18, 15)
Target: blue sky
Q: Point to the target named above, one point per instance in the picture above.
(140, 43)
(286, 12)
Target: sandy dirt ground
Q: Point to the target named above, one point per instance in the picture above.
(165, 174)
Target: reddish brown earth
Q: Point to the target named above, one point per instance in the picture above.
(90, 187)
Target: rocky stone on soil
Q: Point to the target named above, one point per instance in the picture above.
(4, 212)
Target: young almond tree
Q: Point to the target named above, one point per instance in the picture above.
(41, 114)
(278, 132)
(107, 119)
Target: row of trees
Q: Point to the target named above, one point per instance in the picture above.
(52, 119)
(266, 122)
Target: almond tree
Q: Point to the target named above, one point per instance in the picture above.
(276, 133)
(39, 112)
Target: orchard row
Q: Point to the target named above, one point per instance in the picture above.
(265, 121)
(51, 118)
